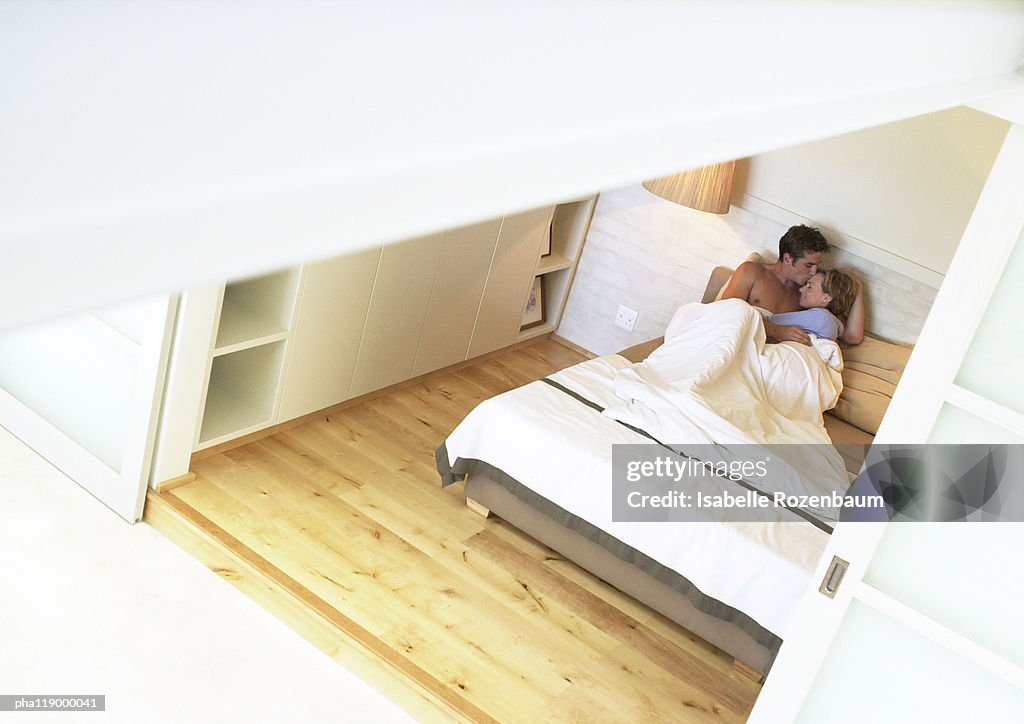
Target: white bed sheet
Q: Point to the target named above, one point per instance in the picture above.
(761, 569)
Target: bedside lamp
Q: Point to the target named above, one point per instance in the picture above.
(705, 189)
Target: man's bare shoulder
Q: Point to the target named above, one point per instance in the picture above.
(754, 269)
(747, 274)
(742, 279)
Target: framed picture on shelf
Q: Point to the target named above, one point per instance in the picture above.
(534, 312)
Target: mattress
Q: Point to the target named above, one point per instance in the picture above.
(760, 570)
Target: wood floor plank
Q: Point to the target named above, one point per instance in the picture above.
(308, 461)
(633, 698)
(457, 393)
(495, 581)
(468, 381)
(295, 550)
(378, 430)
(684, 664)
(346, 447)
(442, 413)
(362, 451)
(394, 418)
(488, 378)
(530, 363)
(552, 356)
(504, 368)
(410, 515)
(370, 566)
(370, 642)
(573, 573)
(345, 514)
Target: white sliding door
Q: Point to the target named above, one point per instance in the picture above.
(923, 626)
(84, 392)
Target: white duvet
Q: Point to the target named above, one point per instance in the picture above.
(711, 380)
(715, 380)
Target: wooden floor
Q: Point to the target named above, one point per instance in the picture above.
(340, 527)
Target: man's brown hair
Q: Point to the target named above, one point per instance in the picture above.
(800, 240)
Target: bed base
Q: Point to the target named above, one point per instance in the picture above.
(485, 497)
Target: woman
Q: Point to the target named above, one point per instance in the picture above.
(826, 298)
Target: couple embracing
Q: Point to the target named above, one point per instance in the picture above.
(799, 299)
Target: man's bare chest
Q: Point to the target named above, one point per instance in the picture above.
(774, 297)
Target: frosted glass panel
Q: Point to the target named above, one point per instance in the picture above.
(956, 425)
(129, 318)
(75, 377)
(879, 667)
(966, 576)
(992, 366)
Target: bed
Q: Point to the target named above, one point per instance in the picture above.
(532, 456)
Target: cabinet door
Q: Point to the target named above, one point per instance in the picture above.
(455, 299)
(398, 306)
(333, 303)
(509, 280)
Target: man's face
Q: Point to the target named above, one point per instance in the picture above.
(802, 269)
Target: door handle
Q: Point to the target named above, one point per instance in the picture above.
(833, 577)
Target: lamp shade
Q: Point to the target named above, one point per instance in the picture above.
(705, 189)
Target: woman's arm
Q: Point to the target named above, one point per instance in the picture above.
(853, 333)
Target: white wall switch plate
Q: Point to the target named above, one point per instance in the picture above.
(625, 318)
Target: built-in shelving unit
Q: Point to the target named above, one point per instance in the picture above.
(259, 356)
(247, 356)
(569, 224)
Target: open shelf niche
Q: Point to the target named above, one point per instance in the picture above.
(256, 311)
(242, 392)
(569, 225)
(247, 358)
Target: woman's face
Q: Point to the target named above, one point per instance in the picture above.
(812, 295)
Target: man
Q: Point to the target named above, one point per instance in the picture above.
(776, 286)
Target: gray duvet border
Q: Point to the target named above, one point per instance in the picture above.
(701, 601)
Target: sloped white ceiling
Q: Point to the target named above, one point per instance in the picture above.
(148, 146)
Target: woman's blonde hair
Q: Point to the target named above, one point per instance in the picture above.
(842, 288)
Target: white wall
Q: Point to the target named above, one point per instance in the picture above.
(908, 187)
(894, 200)
(651, 255)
